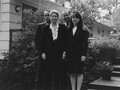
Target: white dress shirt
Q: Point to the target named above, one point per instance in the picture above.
(54, 31)
(74, 30)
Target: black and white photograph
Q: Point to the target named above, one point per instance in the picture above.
(59, 44)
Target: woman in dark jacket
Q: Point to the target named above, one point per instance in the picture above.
(77, 44)
(53, 47)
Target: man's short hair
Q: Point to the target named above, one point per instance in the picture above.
(66, 11)
(47, 10)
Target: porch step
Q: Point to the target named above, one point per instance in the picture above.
(113, 84)
(99, 84)
(116, 67)
(116, 73)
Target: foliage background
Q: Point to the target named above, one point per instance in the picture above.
(100, 51)
(19, 66)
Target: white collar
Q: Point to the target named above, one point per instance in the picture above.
(54, 31)
(74, 30)
(51, 26)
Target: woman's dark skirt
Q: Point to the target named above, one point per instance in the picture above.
(74, 66)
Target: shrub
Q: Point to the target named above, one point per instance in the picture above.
(21, 61)
(104, 49)
(100, 51)
(104, 66)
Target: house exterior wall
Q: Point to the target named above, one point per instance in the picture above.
(0, 15)
(4, 26)
(100, 30)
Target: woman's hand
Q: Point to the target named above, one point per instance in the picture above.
(43, 56)
(64, 55)
(83, 58)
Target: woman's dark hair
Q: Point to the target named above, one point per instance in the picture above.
(77, 15)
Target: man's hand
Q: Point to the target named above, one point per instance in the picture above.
(43, 56)
(83, 58)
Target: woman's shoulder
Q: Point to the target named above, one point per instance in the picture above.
(47, 27)
(42, 23)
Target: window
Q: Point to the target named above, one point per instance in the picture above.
(102, 34)
(102, 31)
(91, 35)
(98, 31)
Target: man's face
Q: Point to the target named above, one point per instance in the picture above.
(66, 17)
(47, 16)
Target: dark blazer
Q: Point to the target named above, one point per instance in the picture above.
(53, 49)
(38, 36)
(77, 45)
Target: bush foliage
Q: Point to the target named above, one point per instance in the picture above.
(100, 51)
(21, 61)
(104, 49)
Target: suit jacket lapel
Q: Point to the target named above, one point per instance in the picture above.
(58, 31)
(50, 33)
(73, 37)
(77, 32)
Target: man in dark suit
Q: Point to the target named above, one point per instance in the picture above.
(40, 29)
(66, 18)
(41, 61)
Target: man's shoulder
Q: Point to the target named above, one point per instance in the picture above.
(85, 28)
(41, 24)
(47, 26)
(85, 33)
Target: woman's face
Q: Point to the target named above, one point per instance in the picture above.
(75, 20)
(54, 18)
